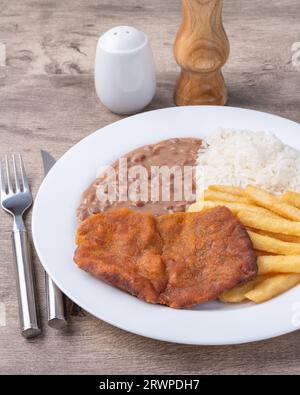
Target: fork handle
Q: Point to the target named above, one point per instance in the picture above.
(25, 285)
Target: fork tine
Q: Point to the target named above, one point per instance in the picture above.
(9, 183)
(23, 174)
(17, 183)
(2, 181)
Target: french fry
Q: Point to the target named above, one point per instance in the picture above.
(292, 198)
(235, 208)
(273, 225)
(279, 236)
(272, 287)
(237, 294)
(275, 246)
(263, 253)
(200, 206)
(227, 189)
(278, 264)
(272, 202)
(225, 197)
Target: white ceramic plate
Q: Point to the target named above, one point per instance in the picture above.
(54, 225)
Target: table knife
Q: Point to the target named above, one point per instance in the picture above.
(56, 310)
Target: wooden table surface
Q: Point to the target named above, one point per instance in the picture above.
(47, 100)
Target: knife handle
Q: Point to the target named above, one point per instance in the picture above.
(55, 305)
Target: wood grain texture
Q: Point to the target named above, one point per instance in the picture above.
(201, 49)
(48, 101)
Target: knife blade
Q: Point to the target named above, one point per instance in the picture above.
(56, 310)
(48, 161)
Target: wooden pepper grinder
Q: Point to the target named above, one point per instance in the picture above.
(201, 49)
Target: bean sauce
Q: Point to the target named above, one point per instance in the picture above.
(174, 152)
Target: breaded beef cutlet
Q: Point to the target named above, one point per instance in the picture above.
(204, 255)
(123, 248)
(179, 260)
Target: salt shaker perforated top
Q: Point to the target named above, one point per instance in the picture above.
(124, 70)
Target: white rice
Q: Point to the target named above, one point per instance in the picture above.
(240, 157)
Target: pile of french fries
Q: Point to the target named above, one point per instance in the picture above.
(273, 224)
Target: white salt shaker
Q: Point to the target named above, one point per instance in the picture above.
(124, 70)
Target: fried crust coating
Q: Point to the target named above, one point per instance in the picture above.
(179, 260)
(123, 248)
(205, 255)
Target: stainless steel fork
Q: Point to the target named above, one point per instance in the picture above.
(16, 198)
